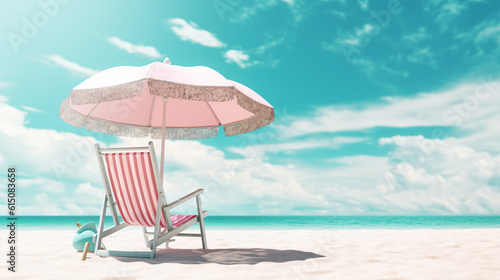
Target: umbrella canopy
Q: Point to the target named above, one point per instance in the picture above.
(191, 102)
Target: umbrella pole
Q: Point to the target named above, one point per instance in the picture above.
(163, 124)
(162, 164)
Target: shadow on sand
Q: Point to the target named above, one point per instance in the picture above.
(225, 256)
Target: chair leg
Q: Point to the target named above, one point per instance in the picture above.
(202, 223)
(157, 227)
(146, 238)
(101, 225)
(203, 237)
(153, 248)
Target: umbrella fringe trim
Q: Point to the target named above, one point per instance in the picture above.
(191, 92)
(186, 133)
(155, 133)
(71, 116)
(245, 126)
(104, 94)
(76, 119)
(260, 110)
(171, 90)
(156, 87)
(117, 128)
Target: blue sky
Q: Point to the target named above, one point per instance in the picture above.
(382, 107)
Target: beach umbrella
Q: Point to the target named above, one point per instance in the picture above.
(165, 101)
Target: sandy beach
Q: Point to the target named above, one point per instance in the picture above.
(296, 254)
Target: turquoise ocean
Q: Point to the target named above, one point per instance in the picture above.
(286, 222)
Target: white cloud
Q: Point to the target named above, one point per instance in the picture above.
(468, 105)
(238, 57)
(298, 9)
(146, 51)
(486, 39)
(371, 67)
(348, 184)
(419, 35)
(489, 32)
(270, 44)
(290, 147)
(42, 184)
(440, 179)
(423, 56)
(45, 152)
(359, 38)
(484, 34)
(456, 175)
(90, 194)
(453, 176)
(191, 32)
(351, 44)
(74, 68)
(4, 85)
(251, 10)
(44, 204)
(446, 11)
(46, 196)
(449, 179)
(274, 188)
(242, 57)
(338, 13)
(31, 109)
(363, 4)
(450, 9)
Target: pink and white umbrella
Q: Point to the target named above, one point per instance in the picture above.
(127, 101)
(165, 101)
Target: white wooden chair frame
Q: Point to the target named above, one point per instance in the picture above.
(162, 206)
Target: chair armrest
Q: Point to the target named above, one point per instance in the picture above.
(183, 199)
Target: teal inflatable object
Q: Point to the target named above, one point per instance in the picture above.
(83, 235)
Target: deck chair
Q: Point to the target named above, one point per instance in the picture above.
(131, 180)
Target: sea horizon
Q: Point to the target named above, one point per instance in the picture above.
(271, 222)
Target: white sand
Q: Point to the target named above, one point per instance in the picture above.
(297, 254)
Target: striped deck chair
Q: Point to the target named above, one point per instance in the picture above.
(131, 180)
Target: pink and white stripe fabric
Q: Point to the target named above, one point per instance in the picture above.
(134, 187)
